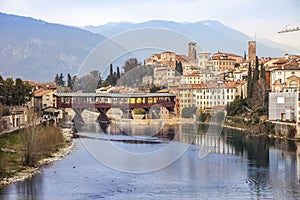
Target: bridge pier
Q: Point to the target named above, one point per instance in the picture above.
(102, 117)
(78, 120)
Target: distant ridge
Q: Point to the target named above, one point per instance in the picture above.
(36, 50)
(211, 34)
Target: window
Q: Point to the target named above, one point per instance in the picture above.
(279, 73)
(292, 72)
(280, 100)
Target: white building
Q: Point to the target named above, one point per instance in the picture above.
(162, 74)
(280, 76)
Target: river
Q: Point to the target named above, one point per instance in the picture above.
(228, 165)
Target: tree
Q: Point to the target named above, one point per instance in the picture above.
(111, 70)
(178, 67)
(236, 65)
(154, 89)
(61, 79)
(99, 84)
(130, 64)
(256, 72)
(21, 93)
(138, 111)
(56, 79)
(14, 92)
(69, 81)
(245, 57)
(188, 112)
(236, 107)
(249, 82)
(262, 72)
(95, 73)
(118, 72)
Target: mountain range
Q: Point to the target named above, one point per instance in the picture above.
(37, 50)
(210, 35)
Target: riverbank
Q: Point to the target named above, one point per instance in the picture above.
(26, 172)
(277, 130)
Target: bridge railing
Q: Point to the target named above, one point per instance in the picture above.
(115, 105)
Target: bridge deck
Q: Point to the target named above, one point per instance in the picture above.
(115, 95)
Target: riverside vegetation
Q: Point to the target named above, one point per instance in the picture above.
(23, 149)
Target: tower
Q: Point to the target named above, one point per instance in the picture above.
(192, 51)
(203, 58)
(252, 51)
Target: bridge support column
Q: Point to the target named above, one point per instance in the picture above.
(78, 118)
(127, 113)
(102, 117)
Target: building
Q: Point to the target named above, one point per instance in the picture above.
(239, 75)
(283, 78)
(203, 59)
(166, 58)
(283, 106)
(211, 95)
(222, 62)
(252, 51)
(147, 81)
(44, 99)
(169, 58)
(200, 76)
(192, 54)
(162, 75)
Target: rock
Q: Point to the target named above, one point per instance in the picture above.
(6, 150)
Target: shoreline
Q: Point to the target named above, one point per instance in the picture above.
(247, 132)
(29, 172)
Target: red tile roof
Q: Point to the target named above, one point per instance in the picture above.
(41, 93)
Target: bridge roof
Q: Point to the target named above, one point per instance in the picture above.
(114, 95)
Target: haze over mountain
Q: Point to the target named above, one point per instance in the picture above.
(36, 50)
(210, 35)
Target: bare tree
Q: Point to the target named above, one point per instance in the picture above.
(130, 64)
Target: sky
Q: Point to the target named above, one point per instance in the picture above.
(256, 18)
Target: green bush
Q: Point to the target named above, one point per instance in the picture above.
(138, 111)
(188, 112)
(203, 116)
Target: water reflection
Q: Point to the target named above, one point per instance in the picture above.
(237, 166)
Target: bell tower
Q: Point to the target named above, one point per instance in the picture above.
(192, 51)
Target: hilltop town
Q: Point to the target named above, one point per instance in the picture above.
(250, 90)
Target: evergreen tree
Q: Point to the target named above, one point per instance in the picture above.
(113, 79)
(111, 70)
(249, 82)
(262, 72)
(56, 80)
(255, 72)
(99, 84)
(245, 56)
(118, 72)
(59, 80)
(69, 82)
(15, 92)
(178, 67)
